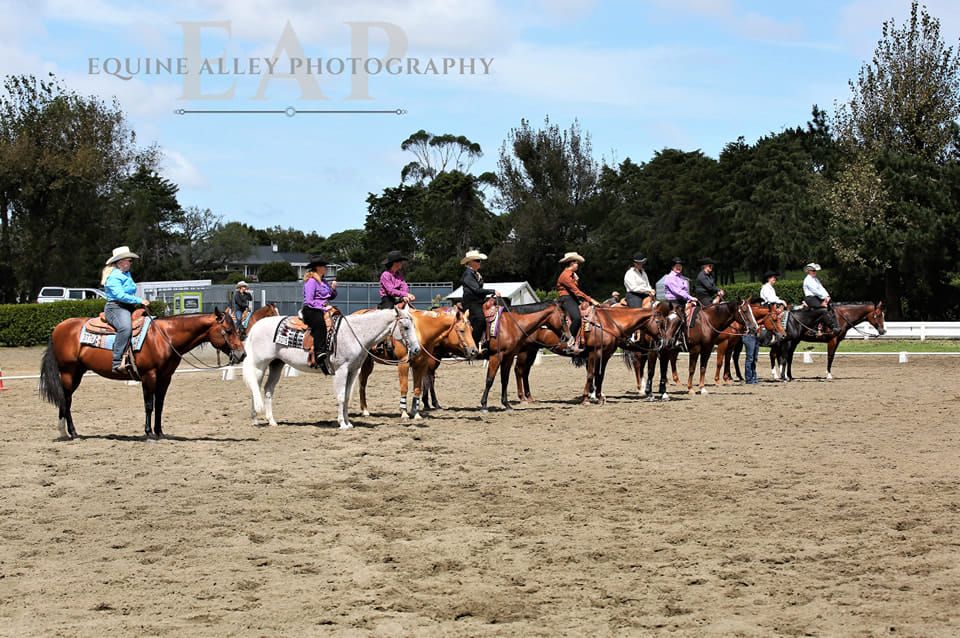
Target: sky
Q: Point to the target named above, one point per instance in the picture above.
(639, 77)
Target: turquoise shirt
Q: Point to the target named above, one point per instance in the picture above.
(121, 288)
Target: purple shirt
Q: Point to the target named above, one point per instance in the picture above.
(393, 285)
(676, 287)
(316, 294)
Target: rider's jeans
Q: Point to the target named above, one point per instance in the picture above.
(118, 317)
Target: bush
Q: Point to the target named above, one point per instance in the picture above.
(790, 290)
(32, 324)
(277, 271)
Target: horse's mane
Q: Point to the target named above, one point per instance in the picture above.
(854, 303)
(528, 308)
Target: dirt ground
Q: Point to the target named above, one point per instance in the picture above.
(809, 508)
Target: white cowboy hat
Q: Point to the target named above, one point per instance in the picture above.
(572, 257)
(473, 255)
(811, 266)
(241, 284)
(121, 252)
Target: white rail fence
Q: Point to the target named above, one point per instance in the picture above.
(921, 330)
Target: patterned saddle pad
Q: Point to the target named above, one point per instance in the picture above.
(292, 332)
(96, 339)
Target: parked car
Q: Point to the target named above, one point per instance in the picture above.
(49, 294)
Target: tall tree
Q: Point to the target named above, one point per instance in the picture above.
(148, 211)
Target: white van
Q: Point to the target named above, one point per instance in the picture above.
(49, 294)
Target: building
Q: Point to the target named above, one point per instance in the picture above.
(517, 292)
(261, 255)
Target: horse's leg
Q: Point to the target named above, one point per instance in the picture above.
(340, 378)
(148, 384)
(273, 378)
(70, 381)
(431, 381)
(602, 365)
(737, 349)
(403, 372)
(493, 364)
(253, 376)
(832, 346)
(505, 364)
(721, 359)
(588, 387)
(774, 362)
(531, 360)
(788, 360)
(352, 373)
(365, 370)
(519, 367)
(674, 354)
(704, 362)
(419, 371)
(651, 363)
(664, 362)
(692, 366)
(163, 383)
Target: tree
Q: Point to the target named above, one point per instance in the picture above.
(229, 243)
(343, 247)
(436, 154)
(277, 271)
(391, 224)
(197, 227)
(146, 207)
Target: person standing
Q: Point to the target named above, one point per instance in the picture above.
(568, 289)
(640, 293)
(122, 300)
(393, 285)
(751, 348)
(474, 294)
(705, 288)
(613, 300)
(316, 294)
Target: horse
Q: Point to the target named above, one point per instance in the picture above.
(267, 310)
(441, 332)
(168, 338)
(656, 351)
(729, 343)
(709, 323)
(352, 342)
(801, 327)
(516, 326)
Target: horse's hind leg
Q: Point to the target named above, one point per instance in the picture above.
(163, 382)
(270, 388)
(505, 364)
(70, 381)
(365, 371)
(673, 365)
(253, 377)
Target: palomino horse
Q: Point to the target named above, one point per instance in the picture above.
(729, 344)
(441, 332)
(167, 340)
(354, 337)
(709, 323)
(517, 326)
(800, 327)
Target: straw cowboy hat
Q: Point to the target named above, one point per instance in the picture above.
(472, 255)
(121, 252)
(811, 266)
(572, 257)
(241, 284)
(393, 257)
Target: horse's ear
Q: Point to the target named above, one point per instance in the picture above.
(219, 315)
(465, 314)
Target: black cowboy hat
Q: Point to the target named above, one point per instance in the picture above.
(707, 261)
(677, 260)
(639, 258)
(316, 261)
(770, 273)
(394, 256)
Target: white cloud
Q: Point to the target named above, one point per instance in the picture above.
(177, 168)
(861, 21)
(728, 15)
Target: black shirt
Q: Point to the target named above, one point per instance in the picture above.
(473, 290)
(705, 286)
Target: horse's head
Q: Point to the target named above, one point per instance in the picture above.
(672, 323)
(225, 337)
(460, 336)
(745, 316)
(876, 317)
(774, 319)
(408, 332)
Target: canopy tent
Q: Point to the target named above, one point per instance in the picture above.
(517, 292)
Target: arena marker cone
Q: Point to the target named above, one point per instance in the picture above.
(291, 372)
(903, 359)
(539, 358)
(228, 374)
(1, 380)
(132, 382)
(807, 357)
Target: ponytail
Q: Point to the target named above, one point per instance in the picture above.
(106, 273)
(310, 274)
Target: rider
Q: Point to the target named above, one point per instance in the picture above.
(474, 294)
(767, 292)
(316, 294)
(393, 286)
(637, 284)
(122, 299)
(676, 288)
(705, 288)
(241, 303)
(568, 289)
(817, 297)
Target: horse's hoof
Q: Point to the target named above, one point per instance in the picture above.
(665, 397)
(507, 408)
(484, 411)
(691, 392)
(417, 417)
(829, 377)
(273, 424)
(703, 391)
(650, 398)
(437, 406)
(404, 416)
(346, 426)
(366, 413)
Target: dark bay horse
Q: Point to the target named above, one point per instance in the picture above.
(518, 327)
(650, 352)
(708, 325)
(801, 326)
(730, 342)
(168, 339)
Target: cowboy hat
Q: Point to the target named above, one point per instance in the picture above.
(316, 261)
(121, 252)
(770, 273)
(393, 257)
(811, 266)
(572, 257)
(241, 284)
(472, 255)
(677, 260)
(706, 261)
(639, 258)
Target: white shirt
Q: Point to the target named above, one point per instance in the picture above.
(769, 295)
(813, 288)
(637, 282)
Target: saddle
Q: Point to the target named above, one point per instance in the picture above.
(491, 315)
(99, 325)
(293, 332)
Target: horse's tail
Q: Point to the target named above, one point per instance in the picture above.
(630, 359)
(579, 360)
(51, 387)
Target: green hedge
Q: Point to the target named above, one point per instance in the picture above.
(787, 289)
(31, 324)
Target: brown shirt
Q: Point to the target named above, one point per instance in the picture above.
(567, 285)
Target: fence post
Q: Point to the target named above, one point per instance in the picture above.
(923, 332)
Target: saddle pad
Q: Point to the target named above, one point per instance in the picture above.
(493, 322)
(105, 342)
(290, 334)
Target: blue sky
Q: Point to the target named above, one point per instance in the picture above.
(639, 76)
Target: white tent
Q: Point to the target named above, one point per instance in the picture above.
(518, 292)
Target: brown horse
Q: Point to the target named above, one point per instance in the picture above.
(268, 310)
(708, 325)
(801, 327)
(651, 351)
(441, 332)
(729, 342)
(517, 327)
(168, 339)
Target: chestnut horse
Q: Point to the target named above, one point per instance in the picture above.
(800, 327)
(268, 310)
(730, 343)
(168, 339)
(441, 332)
(709, 324)
(518, 327)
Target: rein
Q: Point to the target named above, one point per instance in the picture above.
(621, 340)
(522, 331)
(200, 365)
(389, 362)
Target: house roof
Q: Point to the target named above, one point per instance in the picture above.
(265, 255)
(508, 289)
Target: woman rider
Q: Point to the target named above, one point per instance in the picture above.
(122, 299)
(474, 294)
(316, 294)
(393, 286)
(241, 304)
(568, 289)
